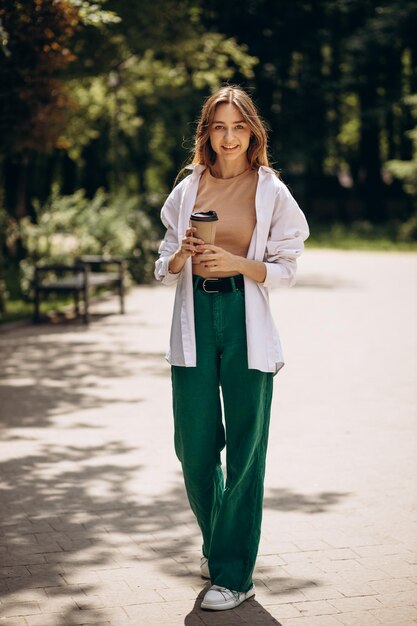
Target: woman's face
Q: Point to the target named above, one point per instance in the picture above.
(229, 134)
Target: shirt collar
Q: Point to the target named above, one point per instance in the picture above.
(266, 170)
(196, 168)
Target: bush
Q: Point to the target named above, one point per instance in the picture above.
(363, 235)
(408, 230)
(74, 225)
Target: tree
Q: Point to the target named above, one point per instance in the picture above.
(101, 108)
(36, 38)
(406, 171)
(331, 80)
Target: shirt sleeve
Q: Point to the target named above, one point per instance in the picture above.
(288, 231)
(169, 218)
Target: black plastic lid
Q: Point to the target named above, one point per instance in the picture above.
(204, 216)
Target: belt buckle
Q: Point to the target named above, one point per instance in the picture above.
(204, 285)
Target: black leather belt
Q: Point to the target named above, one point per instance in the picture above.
(219, 285)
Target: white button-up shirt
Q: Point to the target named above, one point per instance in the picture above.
(278, 239)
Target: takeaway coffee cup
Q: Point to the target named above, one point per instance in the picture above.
(205, 222)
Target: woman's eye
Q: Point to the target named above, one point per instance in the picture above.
(221, 127)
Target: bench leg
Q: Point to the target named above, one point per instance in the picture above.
(86, 305)
(122, 297)
(77, 302)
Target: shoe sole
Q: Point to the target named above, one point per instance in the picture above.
(230, 605)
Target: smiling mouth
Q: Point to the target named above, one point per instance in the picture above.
(230, 147)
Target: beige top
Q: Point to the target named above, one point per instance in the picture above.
(234, 201)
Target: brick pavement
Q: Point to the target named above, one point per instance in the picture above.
(95, 526)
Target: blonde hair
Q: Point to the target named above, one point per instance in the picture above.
(231, 94)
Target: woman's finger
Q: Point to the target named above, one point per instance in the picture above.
(193, 240)
(208, 247)
(190, 232)
(209, 257)
(188, 249)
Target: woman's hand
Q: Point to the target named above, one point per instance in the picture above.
(216, 259)
(186, 249)
(189, 243)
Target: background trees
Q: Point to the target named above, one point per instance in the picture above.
(331, 80)
(103, 97)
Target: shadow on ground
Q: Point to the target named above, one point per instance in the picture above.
(285, 500)
(68, 523)
(53, 370)
(249, 612)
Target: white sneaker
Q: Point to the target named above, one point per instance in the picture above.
(220, 598)
(204, 568)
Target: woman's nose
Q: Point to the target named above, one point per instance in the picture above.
(228, 133)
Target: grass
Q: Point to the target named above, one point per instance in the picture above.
(17, 310)
(357, 236)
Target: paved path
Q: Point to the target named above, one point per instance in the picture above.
(95, 525)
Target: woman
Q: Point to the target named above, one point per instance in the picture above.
(222, 335)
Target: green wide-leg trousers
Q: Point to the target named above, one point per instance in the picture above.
(229, 515)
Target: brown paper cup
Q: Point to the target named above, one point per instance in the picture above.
(205, 231)
(205, 223)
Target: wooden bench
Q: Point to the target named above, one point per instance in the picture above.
(80, 279)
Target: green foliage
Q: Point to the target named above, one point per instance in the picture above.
(361, 235)
(71, 226)
(91, 13)
(102, 95)
(134, 92)
(406, 171)
(36, 40)
(22, 309)
(75, 224)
